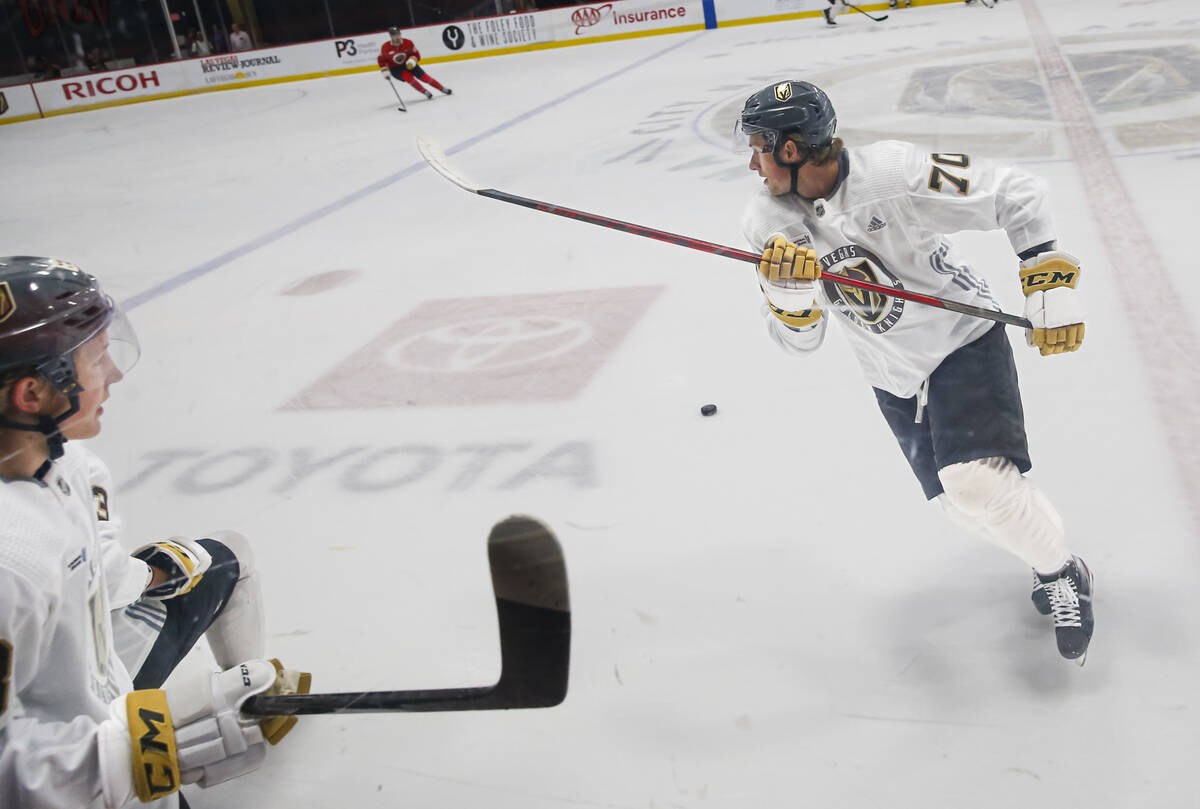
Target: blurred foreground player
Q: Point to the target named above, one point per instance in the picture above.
(400, 58)
(945, 382)
(88, 632)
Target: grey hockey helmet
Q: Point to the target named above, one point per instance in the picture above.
(787, 108)
(48, 309)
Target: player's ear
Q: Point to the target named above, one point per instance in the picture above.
(28, 394)
(789, 153)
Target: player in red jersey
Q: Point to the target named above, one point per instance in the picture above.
(399, 57)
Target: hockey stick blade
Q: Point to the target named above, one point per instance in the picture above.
(529, 579)
(437, 161)
(436, 158)
(865, 14)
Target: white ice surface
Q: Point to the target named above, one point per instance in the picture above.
(766, 612)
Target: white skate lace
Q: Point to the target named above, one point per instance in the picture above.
(1064, 602)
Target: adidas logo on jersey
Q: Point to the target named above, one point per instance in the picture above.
(876, 224)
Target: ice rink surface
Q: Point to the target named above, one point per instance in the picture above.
(362, 367)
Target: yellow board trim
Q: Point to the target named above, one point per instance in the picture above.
(800, 15)
(33, 116)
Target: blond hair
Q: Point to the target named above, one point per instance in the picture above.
(822, 155)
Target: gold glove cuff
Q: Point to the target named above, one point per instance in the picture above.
(1055, 272)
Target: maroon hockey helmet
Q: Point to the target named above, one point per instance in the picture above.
(48, 309)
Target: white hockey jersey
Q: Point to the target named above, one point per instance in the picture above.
(885, 223)
(59, 578)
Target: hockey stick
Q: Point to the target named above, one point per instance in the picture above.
(529, 579)
(401, 108)
(437, 160)
(865, 14)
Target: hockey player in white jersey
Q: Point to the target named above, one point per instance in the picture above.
(945, 382)
(89, 632)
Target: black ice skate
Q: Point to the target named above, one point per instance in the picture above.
(828, 12)
(1041, 601)
(428, 94)
(1069, 594)
(447, 91)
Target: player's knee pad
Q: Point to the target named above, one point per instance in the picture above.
(239, 632)
(239, 546)
(976, 487)
(946, 506)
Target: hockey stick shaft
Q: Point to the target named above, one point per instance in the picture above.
(397, 92)
(529, 579)
(743, 255)
(865, 14)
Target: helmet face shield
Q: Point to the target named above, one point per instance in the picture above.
(744, 139)
(123, 346)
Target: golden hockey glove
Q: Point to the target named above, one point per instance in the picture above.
(287, 681)
(152, 741)
(193, 732)
(796, 320)
(1052, 304)
(410, 63)
(783, 261)
(184, 561)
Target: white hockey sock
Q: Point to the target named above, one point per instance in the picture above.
(993, 497)
(239, 634)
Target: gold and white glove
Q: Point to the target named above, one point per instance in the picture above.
(796, 320)
(783, 262)
(788, 281)
(1052, 304)
(410, 63)
(156, 740)
(184, 561)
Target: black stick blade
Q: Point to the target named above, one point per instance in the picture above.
(529, 577)
(529, 580)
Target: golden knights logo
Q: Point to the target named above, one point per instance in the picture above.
(783, 91)
(3, 104)
(7, 304)
(865, 308)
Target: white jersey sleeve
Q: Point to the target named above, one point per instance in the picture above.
(952, 192)
(126, 577)
(794, 341)
(43, 763)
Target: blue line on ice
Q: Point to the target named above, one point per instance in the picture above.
(201, 270)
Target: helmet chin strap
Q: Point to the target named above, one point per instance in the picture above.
(48, 426)
(793, 168)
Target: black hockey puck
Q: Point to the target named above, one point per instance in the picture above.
(708, 410)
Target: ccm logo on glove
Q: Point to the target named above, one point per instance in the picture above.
(156, 765)
(1050, 274)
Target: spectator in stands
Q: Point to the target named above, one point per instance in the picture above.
(43, 68)
(219, 43)
(200, 45)
(94, 59)
(239, 40)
